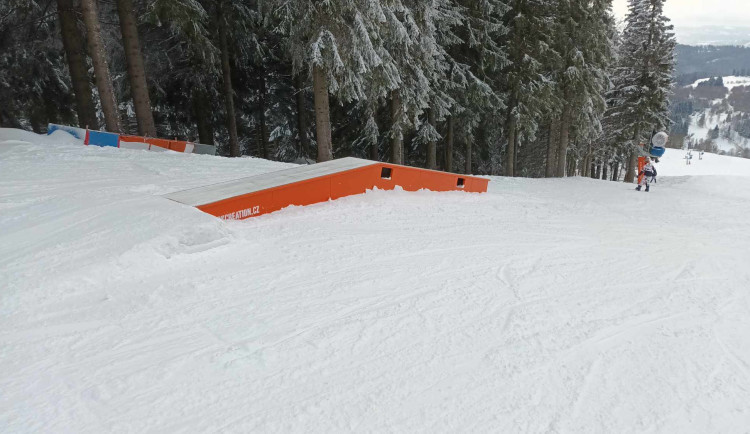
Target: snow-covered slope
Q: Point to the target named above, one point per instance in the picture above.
(712, 120)
(543, 306)
(699, 132)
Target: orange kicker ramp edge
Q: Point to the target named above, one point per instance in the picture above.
(306, 185)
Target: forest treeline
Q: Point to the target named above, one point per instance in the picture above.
(508, 87)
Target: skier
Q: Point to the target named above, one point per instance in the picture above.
(647, 175)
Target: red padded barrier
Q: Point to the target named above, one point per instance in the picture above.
(177, 145)
(162, 143)
(134, 139)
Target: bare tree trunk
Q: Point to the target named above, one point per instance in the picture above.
(616, 171)
(510, 150)
(449, 146)
(633, 158)
(586, 169)
(50, 110)
(551, 168)
(631, 167)
(511, 123)
(101, 67)
(374, 154)
(234, 142)
(35, 119)
(304, 143)
(467, 166)
(79, 76)
(322, 115)
(588, 162)
(263, 136)
(572, 166)
(517, 167)
(585, 166)
(480, 138)
(202, 117)
(431, 145)
(397, 138)
(136, 71)
(562, 149)
(605, 166)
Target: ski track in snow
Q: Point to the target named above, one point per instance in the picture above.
(567, 305)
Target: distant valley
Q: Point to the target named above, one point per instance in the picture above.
(713, 115)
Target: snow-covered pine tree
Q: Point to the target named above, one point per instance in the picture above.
(531, 56)
(34, 81)
(415, 37)
(584, 43)
(184, 65)
(263, 88)
(642, 81)
(480, 100)
(331, 40)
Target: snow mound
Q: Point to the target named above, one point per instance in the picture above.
(550, 305)
(10, 136)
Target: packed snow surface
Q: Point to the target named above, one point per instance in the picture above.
(565, 305)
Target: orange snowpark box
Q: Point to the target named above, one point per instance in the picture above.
(306, 185)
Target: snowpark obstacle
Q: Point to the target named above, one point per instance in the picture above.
(104, 139)
(315, 183)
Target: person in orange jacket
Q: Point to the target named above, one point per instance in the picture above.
(647, 175)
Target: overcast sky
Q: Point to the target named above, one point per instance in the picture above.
(689, 13)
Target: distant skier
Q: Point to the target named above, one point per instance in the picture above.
(700, 156)
(647, 175)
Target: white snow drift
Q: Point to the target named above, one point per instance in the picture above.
(566, 305)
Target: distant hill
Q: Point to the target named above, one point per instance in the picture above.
(723, 35)
(696, 62)
(710, 107)
(712, 115)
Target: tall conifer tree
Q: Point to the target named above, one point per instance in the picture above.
(643, 77)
